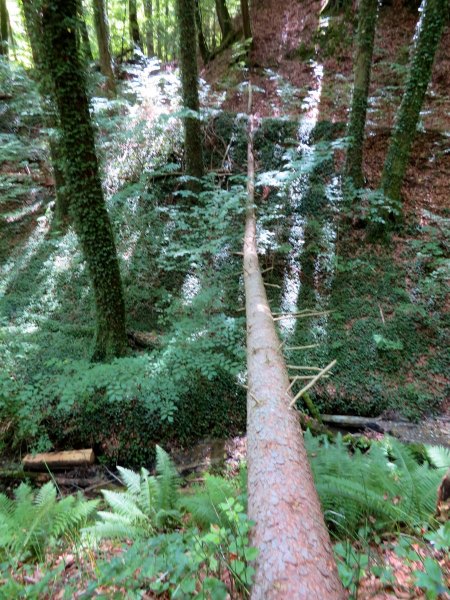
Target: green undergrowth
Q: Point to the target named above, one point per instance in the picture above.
(385, 320)
(156, 534)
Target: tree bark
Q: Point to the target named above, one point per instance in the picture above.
(202, 45)
(430, 31)
(104, 50)
(149, 27)
(368, 12)
(224, 18)
(88, 210)
(61, 216)
(135, 34)
(246, 23)
(189, 84)
(295, 555)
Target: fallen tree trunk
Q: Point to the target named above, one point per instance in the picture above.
(295, 555)
(58, 460)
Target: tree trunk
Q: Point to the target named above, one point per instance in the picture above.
(149, 28)
(295, 555)
(104, 50)
(224, 18)
(246, 23)
(202, 45)
(88, 210)
(189, 84)
(135, 34)
(85, 42)
(158, 28)
(4, 18)
(31, 18)
(429, 35)
(363, 63)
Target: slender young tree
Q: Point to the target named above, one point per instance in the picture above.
(88, 210)
(224, 18)
(367, 20)
(189, 84)
(4, 20)
(104, 49)
(158, 28)
(202, 45)
(246, 22)
(431, 25)
(84, 34)
(135, 34)
(149, 27)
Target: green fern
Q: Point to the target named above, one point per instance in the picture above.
(204, 504)
(148, 505)
(33, 521)
(385, 484)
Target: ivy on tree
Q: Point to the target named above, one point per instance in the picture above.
(88, 210)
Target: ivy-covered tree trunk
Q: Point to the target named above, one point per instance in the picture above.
(224, 18)
(189, 83)
(202, 45)
(31, 19)
(88, 210)
(4, 19)
(246, 23)
(367, 20)
(431, 25)
(135, 34)
(104, 50)
(149, 27)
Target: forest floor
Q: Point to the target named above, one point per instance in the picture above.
(301, 68)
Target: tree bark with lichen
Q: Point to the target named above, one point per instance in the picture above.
(431, 25)
(367, 20)
(88, 210)
(189, 85)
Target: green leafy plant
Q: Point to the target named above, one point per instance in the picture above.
(33, 521)
(385, 484)
(149, 503)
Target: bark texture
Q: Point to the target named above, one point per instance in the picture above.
(135, 34)
(189, 85)
(430, 31)
(4, 19)
(295, 554)
(88, 210)
(104, 50)
(148, 9)
(368, 12)
(32, 21)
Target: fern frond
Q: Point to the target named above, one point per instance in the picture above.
(168, 480)
(439, 456)
(124, 504)
(131, 479)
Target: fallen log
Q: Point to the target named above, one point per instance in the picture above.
(295, 557)
(58, 460)
(352, 422)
